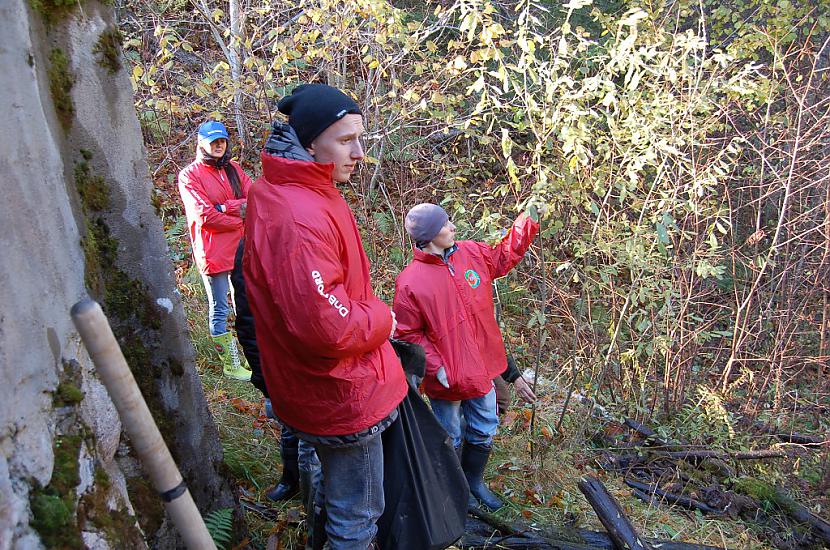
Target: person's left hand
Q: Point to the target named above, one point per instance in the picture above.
(536, 211)
(523, 390)
(441, 375)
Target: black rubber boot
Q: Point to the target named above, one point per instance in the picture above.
(289, 484)
(473, 460)
(317, 530)
(471, 500)
(315, 513)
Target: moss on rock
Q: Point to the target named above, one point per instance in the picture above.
(122, 295)
(53, 507)
(67, 394)
(61, 81)
(93, 189)
(108, 49)
(53, 11)
(146, 503)
(65, 475)
(54, 520)
(118, 526)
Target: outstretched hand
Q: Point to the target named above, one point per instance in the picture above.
(536, 211)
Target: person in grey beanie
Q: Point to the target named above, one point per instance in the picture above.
(444, 302)
(323, 336)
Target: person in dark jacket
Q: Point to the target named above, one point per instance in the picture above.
(300, 465)
(323, 335)
(289, 484)
(511, 375)
(444, 302)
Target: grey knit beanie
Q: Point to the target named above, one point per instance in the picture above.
(424, 221)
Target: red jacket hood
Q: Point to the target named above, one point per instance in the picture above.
(314, 175)
(321, 332)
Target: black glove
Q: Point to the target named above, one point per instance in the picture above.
(413, 359)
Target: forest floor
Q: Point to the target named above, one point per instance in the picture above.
(539, 491)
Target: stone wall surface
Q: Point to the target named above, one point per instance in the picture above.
(61, 445)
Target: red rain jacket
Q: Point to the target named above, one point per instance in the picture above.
(448, 309)
(214, 235)
(322, 333)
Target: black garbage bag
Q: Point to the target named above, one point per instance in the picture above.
(424, 487)
(413, 359)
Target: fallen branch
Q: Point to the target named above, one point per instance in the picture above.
(723, 455)
(651, 436)
(611, 515)
(652, 491)
(791, 437)
(819, 526)
(764, 492)
(654, 440)
(502, 534)
(485, 530)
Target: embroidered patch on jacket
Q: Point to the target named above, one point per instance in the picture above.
(473, 278)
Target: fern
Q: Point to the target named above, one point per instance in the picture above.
(383, 222)
(219, 524)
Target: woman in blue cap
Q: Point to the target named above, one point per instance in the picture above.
(214, 191)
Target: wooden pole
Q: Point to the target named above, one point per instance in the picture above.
(146, 439)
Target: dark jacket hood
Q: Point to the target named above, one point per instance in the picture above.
(285, 161)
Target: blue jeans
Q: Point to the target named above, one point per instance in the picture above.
(217, 287)
(480, 418)
(352, 491)
(306, 455)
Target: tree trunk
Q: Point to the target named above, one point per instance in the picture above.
(236, 70)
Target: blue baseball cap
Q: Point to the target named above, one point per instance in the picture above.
(212, 130)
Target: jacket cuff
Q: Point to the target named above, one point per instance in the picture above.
(511, 373)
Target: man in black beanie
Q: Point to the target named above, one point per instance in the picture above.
(323, 335)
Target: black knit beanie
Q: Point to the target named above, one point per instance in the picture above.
(311, 108)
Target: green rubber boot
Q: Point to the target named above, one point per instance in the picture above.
(232, 367)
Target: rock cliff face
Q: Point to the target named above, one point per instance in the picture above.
(78, 221)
